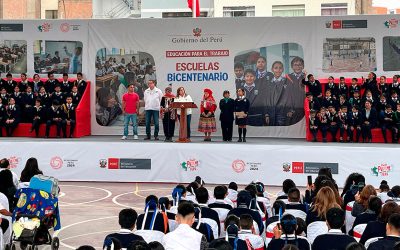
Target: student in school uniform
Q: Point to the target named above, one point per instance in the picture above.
(354, 87)
(12, 119)
(333, 88)
(184, 236)
(242, 106)
(296, 77)
(386, 122)
(313, 125)
(334, 121)
(370, 84)
(76, 97)
(342, 88)
(294, 201)
(369, 96)
(69, 117)
(4, 96)
(80, 83)
(44, 97)
(57, 95)
(246, 233)
(354, 124)
(381, 105)
(54, 116)
(38, 117)
(343, 102)
(24, 84)
(127, 220)
(202, 198)
(383, 87)
(66, 85)
(324, 123)
(51, 83)
(226, 117)
(392, 234)
(28, 103)
(344, 123)
(334, 239)
(18, 97)
(369, 119)
(314, 86)
(328, 100)
(151, 208)
(9, 84)
(395, 86)
(396, 123)
(2, 116)
(37, 83)
(254, 92)
(356, 100)
(313, 104)
(393, 100)
(239, 75)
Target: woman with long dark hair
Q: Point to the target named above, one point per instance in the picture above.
(31, 169)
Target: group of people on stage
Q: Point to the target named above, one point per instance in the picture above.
(158, 104)
(50, 102)
(343, 108)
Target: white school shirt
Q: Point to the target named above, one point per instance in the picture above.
(182, 238)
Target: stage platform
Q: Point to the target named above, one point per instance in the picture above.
(270, 160)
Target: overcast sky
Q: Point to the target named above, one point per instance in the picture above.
(390, 4)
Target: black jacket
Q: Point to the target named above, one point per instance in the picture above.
(227, 109)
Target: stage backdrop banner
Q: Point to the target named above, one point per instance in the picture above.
(202, 53)
(122, 162)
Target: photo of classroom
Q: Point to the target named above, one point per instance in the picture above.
(115, 69)
(57, 56)
(391, 53)
(349, 55)
(272, 80)
(13, 56)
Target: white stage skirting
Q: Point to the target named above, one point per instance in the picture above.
(128, 161)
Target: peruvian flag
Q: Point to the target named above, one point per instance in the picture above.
(190, 5)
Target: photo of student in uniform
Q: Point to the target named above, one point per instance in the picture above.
(296, 77)
(261, 72)
(254, 92)
(239, 75)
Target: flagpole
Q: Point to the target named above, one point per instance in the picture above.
(194, 9)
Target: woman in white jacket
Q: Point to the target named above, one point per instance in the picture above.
(181, 96)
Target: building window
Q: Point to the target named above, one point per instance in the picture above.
(51, 14)
(334, 9)
(239, 11)
(288, 10)
(182, 14)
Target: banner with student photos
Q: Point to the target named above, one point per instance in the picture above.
(266, 56)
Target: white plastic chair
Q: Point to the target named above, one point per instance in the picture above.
(296, 213)
(213, 225)
(370, 241)
(315, 229)
(269, 232)
(349, 218)
(358, 231)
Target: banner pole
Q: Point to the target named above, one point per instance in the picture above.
(194, 9)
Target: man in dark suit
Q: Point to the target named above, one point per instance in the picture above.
(334, 239)
(369, 118)
(314, 86)
(69, 117)
(54, 116)
(227, 107)
(392, 234)
(12, 118)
